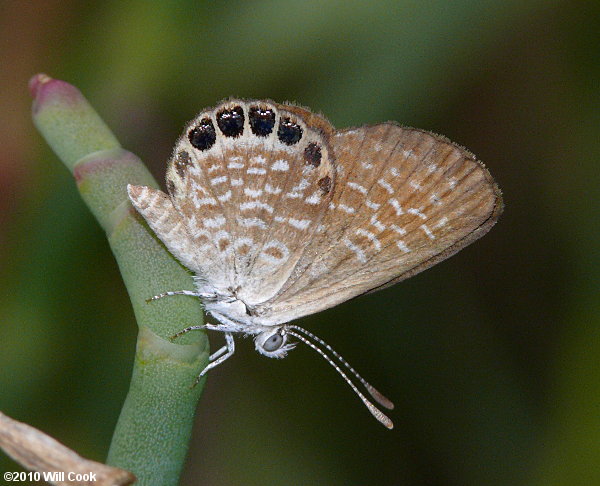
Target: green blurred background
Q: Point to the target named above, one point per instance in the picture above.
(492, 357)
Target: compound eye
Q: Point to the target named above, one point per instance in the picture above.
(273, 342)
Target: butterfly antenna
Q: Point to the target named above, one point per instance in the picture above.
(378, 414)
(379, 398)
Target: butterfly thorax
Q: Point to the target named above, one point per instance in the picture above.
(232, 310)
(245, 318)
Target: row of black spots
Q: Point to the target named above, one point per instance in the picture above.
(262, 121)
(230, 122)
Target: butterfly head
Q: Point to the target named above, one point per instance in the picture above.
(273, 343)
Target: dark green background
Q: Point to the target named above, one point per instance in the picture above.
(492, 358)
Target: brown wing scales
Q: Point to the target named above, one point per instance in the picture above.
(404, 199)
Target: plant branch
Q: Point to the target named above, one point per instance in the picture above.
(153, 431)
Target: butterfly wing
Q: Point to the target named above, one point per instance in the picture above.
(404, 199)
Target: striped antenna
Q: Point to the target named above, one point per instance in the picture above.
(378, 414)
(379, 397)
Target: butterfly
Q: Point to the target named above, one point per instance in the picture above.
(278, 215)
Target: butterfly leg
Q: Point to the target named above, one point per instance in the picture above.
(182, 292)
(216, 354)
(185, 331)
(213, 356)
(230, 349)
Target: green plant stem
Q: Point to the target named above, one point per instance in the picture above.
(153, 430)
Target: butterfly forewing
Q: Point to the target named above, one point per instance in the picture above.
(404, 199)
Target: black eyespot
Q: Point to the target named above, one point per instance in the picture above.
(325, 184)
(261, 121)
(203, 136)
(312, 154)
(273, 342)
(289, 132)
(231, 122)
